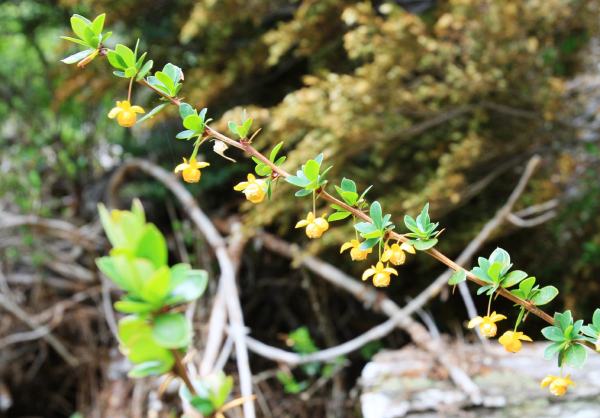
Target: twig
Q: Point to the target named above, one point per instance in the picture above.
(58, 346)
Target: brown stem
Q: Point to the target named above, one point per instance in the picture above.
(181, 371)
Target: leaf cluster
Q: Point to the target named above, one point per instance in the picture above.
(137, 264)
(265, 170)
(348, 193)
(241, 130)
(495, 272)
(167, 81)
(423, 232)
(211, 393)
(374, 232)
(566, 340)
(592, 331)
(126, 62)
(535, 294)
(194, 122)
(89, 34)
(309, 178)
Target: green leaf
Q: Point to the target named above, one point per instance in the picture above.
(263, 170)
(338, 216)
(144, 70)
(171, 330)
(134, 307)
(501, 256)
(457, 277)
(484, 289)
(424, 245)
(596, 319)
(126, 55)
(79, 24)
(173, 72)
(203, 405)
(71, 59)
(166, 81)
(98, 24)
(553, 333)
(135, 336)
(302, 193)
(348, 185)
(157, 285)
(526, 286)
(410, 223)
(575, 356)
(75, 40)
(495, 270)
(552, 350)
(376, 214)
(275, 151)
(152, 246)
(187, 285)
(185, 110)
(115, 60)
(152, 113)
(298, 181)
(365, 227)
(149, 368)
(193, 122)
(544, 295)
(244, 128)
(368, 243)
(513, 278)
(563, 320)
(187, 134)
(311, 170)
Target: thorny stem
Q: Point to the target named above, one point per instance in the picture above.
(249, 149)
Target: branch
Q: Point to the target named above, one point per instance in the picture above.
(41, 331)
(247, 147)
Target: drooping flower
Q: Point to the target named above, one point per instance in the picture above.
(191, 170)
(511, 340)
(125, 113)
(487, 324)
(395, 253)
(315, 227)
(254, 189)
(558, 385)
(381, 274)
(356, 253)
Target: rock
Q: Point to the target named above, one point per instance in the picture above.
(411, 383)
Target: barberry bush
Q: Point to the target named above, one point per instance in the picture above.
(154, 335)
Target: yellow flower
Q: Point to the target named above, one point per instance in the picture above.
(315, 227)
(381, 274)
(395, 253)
(355, 253)
(125, 113)
(487, 324)
(191, 170)
(511, 340)
(558, 385)
(254, 189)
